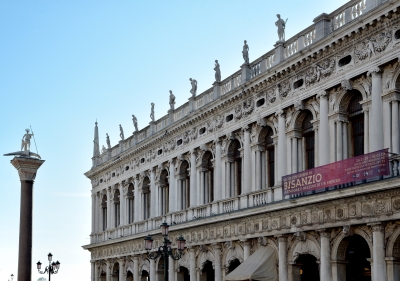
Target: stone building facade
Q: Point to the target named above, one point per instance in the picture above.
(213, 167)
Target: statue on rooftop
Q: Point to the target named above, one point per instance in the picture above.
(152, 112)
(121, 132)
(108, 142)
(103, 149)
(194, 87)
(281, 24)
(134, 119)
(171, 100)
(217, 72)
(245, 52)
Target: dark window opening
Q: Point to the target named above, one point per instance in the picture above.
(298, 83)
(260, 102)
(179, 142)
(142, 160)
(357, 125)
(159, 152)
(113, 175)
(126, 168)
(397, 34)
(229, 118)
(202, 130)
(345, 60)
(309, 137)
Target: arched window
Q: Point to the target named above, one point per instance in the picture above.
(117, 214)
(235, 169)
(208, 272)
(207, 179)
(104, 212)
(306, 268)
(131, 203)
(309, 141)
(184, 186)
(164, 193)
(356, 122)
(270, 158)
(146, 198)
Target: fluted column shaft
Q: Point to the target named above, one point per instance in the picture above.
(323, 142)
(376, 136)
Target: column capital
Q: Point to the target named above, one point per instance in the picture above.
(26, 167)
(217, 246)
(279, 112)
(375, 72)
(324, 233)
(322, 94)
(377, 227)
(135, 258)
(281, 238)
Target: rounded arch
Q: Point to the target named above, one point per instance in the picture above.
(300, 116)
(233, 150)
(232, 253)
(309, 246)
(393, 244)
(265, 132)
(206, 161)
(146, 184)
(340, 244)
(144, 266)
(184, 261)
(345, 98)
(164, 177)
(203, 258)
(184, 168)
(395, 83)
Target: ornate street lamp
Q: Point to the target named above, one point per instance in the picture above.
(12, 277)
(52, 268)
(165, 251)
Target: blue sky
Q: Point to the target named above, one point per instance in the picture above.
(65, 63)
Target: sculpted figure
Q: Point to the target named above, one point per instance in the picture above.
(121, 132)
(103, 149)
(108, 142)
(194, 87)
(281, 24)
(152, 112)
(245, 52)
(26, 141)
(171, 100)
(217, 72)
(134, 119)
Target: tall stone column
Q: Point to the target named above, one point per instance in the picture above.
(246, 249)
(378, 252)
(92, 267)
(122, 205)
(27, 168)
(281, 146)
(137, 200)
(217, 260)
(93, 213)
(108, 270)
(339, 140)
(122, 276)
(323, 141)
(247, 160)
(153, 195)
(192, 263)
(283, 266)
(109, 206)
(136, 268)
(171, 269)
(193, 187)
(366, 129)
(95, 277)
(395, 127)
(326, 268)
(218, 174)
(173, 189)
(376, 136)
(152, 272)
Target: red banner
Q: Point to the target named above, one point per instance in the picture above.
(358, 168)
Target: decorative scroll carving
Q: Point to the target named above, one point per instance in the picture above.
(323, 70)
(371, 45)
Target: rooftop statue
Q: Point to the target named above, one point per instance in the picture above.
(171, 100)
(134, 119)
(25, 147)
(108, 142)
(103, 149)
(152, 112)
(245, 52)
(194, 87)
(281, 24)
(217, 72)
(121, 132)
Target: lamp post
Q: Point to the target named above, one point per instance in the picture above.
(52, 268)
(12, 277)
(165, 250)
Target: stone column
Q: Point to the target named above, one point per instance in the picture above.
(171, 269)
(326, 268)
(281, 146)
(366, 129)
(108, 270)
(122, 205)
(109, 206)
(95, 277)
(153, 195)
(376, 136)
(339, 140)
(136, 200)
(217, 260)
(27, 168)
(152, 272)
(258, 175)
(246, 249)
(136, 268)
(395, 127)
(247, 160)
(218, 174)
(283, 266)
(192, 264)
(386, 124)
(323, 141)
(378, 252)
(172, 187)
(193, 187)
(122, 276)
(92, 267)
(93, 213)
(294, 155)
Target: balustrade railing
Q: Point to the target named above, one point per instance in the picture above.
(179, 217)
(358, 9)
(260, 198)
(226, 87)
(338, 20)
(309, 38)
(291, 49)
(201, 212)
(237, 80)
(255, 69)
(270, 61)
(228, 206)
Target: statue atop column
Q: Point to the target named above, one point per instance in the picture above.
(193, 91)
(171, 100)
(121, 132)
(108, 142)
(26, 141)
(217, 72)
(245, 52)
(281, 24)
(134, 120)
(152, 112)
